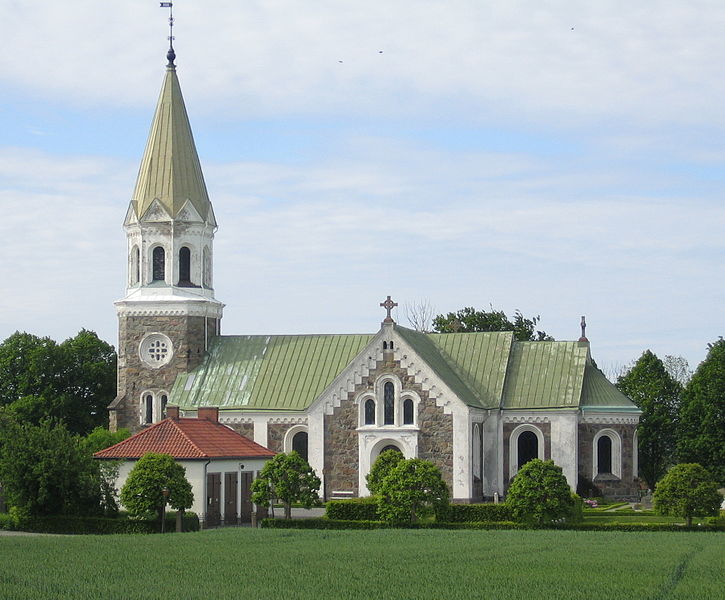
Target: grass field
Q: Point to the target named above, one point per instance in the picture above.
(271, 564)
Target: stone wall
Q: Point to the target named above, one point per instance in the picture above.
(245, 429)
(188, 338)
(275, 435)
(341, 449)
(435, 440)
(610, 486)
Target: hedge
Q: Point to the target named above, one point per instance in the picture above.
(66, 524)
(474, 513)
(354, 509)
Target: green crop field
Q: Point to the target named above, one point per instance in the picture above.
(270, 564)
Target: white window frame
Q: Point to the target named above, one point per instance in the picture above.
(514, 446)
(616, 452)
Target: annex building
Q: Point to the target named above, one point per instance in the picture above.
(478, 405)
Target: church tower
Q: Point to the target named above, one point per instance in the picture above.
(169, 312)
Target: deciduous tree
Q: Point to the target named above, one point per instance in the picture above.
(657, 394)
(469, 319)
(143, 492)
(412, 488)
(540, 494)
(687, 490)
(701, 437)
(288, 478)
(385, 462)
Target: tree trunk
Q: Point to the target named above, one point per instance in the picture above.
(688, 520)
(287, 510)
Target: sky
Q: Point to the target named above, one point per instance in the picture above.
(560, 158)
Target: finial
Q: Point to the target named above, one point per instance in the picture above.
(583, 338)
(388, 305)
(170, 55)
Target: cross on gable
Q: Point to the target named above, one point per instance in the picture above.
(388, 305)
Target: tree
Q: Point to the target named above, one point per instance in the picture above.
(657, 394)
(701, 432)
(143, 492)
(540, 494)
(411, 489)
(45, 470)
(72, 382)
(420, 315)
(382, 466)
(288, 478)
(469, 319)
(100, 439)
(687, 490)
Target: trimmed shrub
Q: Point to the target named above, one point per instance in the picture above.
(66, 524)
(469, 513)
(321, 523)
(355, 509)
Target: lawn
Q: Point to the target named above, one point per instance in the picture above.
(270, 564)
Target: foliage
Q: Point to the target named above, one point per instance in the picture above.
(384, 564)
(100, 439)
(143, 492)
(420, 315)
(539, 494)
(288, 478)
(75, 525)
(72, 382)
(687, 490)
(657, 394)
(354, 509)
(412, 489)
(385, 462)
(45, 470)
(469, 513)
(702, 415)
(469, 319)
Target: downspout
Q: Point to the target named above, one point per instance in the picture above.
(206, 494)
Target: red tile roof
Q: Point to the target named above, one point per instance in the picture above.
(187, 439)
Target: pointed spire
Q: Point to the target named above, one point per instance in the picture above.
(170, 169)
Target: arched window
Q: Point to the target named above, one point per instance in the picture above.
(164, 402)
(528, 447)
(390, 447)
(158, 264)
(135, 265)
(408, 412)
(391, 344)
(388, 404)
(299, 443)
(385, 345)
(148, 409)
(184, 266)
(604, 454)
(370, 412)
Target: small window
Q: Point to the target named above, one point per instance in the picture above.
(389, 404)
(164, 402)
(299, 443)
(408, 412)
(385, 345)
(391, 344)
(185, 266)
(528, 447)
(159, 264)
(370, 412)
(148, 409)
(604, 454)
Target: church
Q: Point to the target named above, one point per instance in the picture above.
(478, 405)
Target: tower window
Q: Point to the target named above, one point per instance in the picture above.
(370, 412)
(148, 409)
(158, 264)
(408, 412)
(389, 404)
(164, 402)
(184, 266)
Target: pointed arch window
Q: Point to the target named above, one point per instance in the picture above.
(389, 404)
(184, 266)
(158, 264)
(370, 412)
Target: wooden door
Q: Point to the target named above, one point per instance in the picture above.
(245, 506)
(230, 498)
(213, 499)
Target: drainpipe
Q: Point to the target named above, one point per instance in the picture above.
(206, 495)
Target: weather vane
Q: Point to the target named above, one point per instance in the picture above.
(171, 55)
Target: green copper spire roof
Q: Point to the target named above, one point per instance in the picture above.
(170, 169)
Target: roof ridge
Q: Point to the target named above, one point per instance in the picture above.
(154, 426)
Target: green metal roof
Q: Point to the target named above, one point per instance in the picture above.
(256, 372)
(473, 365)
(599, 393)
(545, 375)
(170, 170)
